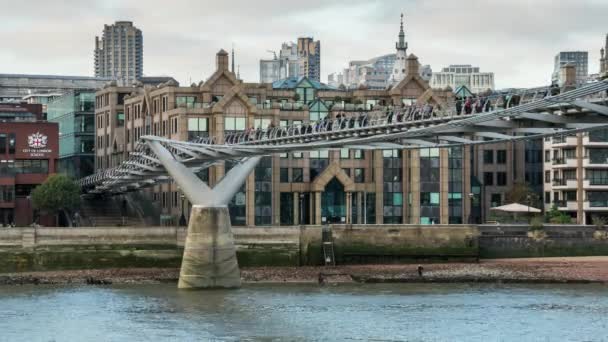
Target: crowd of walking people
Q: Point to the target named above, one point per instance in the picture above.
(390, 115)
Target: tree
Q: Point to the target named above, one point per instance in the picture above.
(58, 193)
(296, 97)
(522, 194)
(556, 216)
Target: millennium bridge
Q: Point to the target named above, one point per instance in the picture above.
(209, 253)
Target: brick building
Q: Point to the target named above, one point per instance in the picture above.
(427, 186)
(28, 154)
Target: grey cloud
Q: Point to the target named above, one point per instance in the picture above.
(516, 39)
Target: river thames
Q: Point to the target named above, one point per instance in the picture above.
(395, 312)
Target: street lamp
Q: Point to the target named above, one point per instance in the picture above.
(528, 200)
(182, 219)
(471, 196)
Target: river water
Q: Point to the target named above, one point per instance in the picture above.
(395, 312)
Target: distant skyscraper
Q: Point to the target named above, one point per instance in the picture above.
(580, 60)
(119, 53)
(294, 60)
(309, 58)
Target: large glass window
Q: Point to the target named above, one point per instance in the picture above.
(598, 155)
(455, 161)
(488, 178)
(262, 123)
(7, 193)
(318, 162)
(237, 206)
(263, 192)
(120, 119)
(198, 127)
(284, 175)
(597, 198)
(297, 175)
(3, 141)
(185, 101)
(488, 156)
(234, 124)
(597, 177)
(501, 157)
(286, 208)
(12, 141)
(359, 175)
(393, 186)
(598, 135)
(22, 166)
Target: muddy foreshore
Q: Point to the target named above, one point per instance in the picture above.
(539, 270)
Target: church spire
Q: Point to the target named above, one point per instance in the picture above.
(402, 44)
(232, 57)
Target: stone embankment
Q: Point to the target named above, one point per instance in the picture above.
(536, 270)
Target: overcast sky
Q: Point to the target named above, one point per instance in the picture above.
(516, 39)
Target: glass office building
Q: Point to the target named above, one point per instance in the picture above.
(75, 113)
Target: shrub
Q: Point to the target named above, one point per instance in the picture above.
(536, 223)
(599, 222)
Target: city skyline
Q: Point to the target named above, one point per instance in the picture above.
(180, 45)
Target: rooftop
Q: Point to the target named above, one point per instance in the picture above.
(293, 82)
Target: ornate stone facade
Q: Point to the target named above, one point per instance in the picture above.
(351, 187)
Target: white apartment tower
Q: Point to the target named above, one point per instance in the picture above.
(119, 53)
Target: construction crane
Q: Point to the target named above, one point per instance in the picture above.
(273, 52)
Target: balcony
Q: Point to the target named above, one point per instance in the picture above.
(595, 162)
(560, 204)
(567, 162)
(559, 141)
(565, 183)
(597, 181)
(596, 205)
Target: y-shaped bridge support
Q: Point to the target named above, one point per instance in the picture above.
(209, 253)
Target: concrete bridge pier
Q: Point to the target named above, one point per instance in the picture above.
(209, 252)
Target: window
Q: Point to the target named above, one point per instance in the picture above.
(501, 157)
(284, 175)
(2, 143)
(344, 153)
(501, 178)
(263, 192)
(359, 175)
(346, 171)
(233, 124)
(569, 174)
(488, 157)
(429, 199)
(318, 162)
(569, 153)
(198, 127)
(12, 140)
(262, 123)
(496, 200)
(358, 154)
(296, 155)
(185, 101)
(547, 197)
(570, 195)
(547, 176)
(297, 175)
(488, 178)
